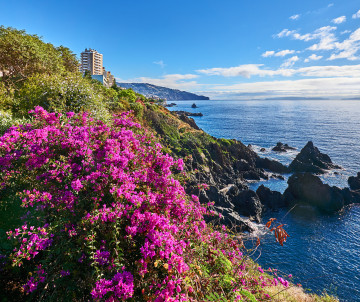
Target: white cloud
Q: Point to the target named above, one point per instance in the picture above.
(313, 57)
(356, 15)
(339, 20)
(281, 53)
(326, 38)
(250, 70)
(245, 71)
(345, 32)
(160, 63)
(324, 34)
(175, 81)
(268, 53)
(285, 33)
(322, 87)
(348, 48)
(290, 62)
(294, 17)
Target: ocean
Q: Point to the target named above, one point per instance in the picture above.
(323, 251)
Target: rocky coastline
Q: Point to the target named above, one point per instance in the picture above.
(227, 167)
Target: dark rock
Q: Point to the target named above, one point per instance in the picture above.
(179, 113)
(231, 219)
(271, 165)
(248, 203)
(309, 189)
(310, 159)
(194, 106)
(251, 175)
(271, 199)
(243, 165)
(278, 176)
(262, 150)
(170, 105)
(280, 147)
(354, 182)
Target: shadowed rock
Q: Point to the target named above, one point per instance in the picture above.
(354, 182)
(310, 159)
(308, 189)
(280, 147)
(271, 199)
(248, 203)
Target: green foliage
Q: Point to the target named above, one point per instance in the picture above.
(68, 92)
(215, 297)
(127, 94)
(22, 55)
(6, 121)
(247, 294)
(69, 61)
(138, 110)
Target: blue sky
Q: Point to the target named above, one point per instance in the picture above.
(224, 49)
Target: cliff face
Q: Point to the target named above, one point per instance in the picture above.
(169, 94)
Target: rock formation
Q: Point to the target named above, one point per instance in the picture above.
(310, 159)
(280, 147)
(354, 182)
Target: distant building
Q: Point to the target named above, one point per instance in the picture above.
(92, 61)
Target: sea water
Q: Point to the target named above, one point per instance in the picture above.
(323, 251)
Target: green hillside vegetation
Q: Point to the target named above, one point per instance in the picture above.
(36, 73)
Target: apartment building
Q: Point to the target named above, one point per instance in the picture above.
(92, 61)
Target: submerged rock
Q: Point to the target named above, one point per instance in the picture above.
(310, 159)
(280, 147)
(354, 182)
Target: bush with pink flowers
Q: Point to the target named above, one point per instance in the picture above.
(108, 220)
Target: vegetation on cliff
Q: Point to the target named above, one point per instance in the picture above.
(92, 206)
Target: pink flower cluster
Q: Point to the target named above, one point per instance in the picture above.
(107, 197)
(121, 286)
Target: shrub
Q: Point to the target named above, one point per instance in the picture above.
(66, 92)
(107, 219)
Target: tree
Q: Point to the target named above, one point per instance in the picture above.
(69, 59)
(22, 55)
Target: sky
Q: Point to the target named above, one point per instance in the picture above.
(229, 49)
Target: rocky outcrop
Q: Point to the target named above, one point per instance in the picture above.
(186, 113)
(354, 182)
(248, 203)
(272, 200)
(194, 106)
(188, 120)
(307, 188)
(280, 147)
(271, 165)
(225, 165)
(310, 159)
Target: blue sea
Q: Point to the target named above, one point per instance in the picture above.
(323, 251)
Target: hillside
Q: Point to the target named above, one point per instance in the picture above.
(169, 94)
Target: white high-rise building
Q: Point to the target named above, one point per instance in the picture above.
(92, 61)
